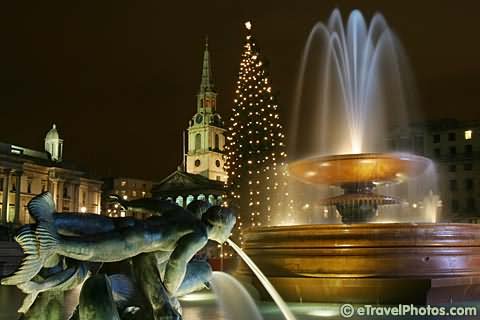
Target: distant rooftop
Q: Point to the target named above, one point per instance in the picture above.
(34, 156)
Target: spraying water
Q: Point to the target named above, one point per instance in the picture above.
(355, 95)
(233, 299)
(263, 279)
(353, 87)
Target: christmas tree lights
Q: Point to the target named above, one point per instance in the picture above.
(255, 148)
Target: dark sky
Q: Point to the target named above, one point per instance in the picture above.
(119, 77)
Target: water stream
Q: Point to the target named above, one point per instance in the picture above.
(234, 300)
(263, 279)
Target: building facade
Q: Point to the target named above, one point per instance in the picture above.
(455, 148)
(206, 138)
(182, 188)
(127, 189)
(25, 173)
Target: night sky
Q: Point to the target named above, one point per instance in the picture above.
(119, 78)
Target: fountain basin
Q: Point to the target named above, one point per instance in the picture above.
(368, 263)
(364, 168)
(358, 175)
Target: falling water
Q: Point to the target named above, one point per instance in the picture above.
(355, 94)
(263, 279)
(353, 87)
(233, 299)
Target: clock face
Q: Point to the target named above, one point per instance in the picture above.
(199, 118)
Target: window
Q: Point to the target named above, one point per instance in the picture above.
(436, 152)
(436, 138)
(1, 184)
(453, 151)
(452, 168)
(197, 163)
(44, 186)
(144, 194)
(124, 183)
(467, 166)
(217, 163)
(29, 186)
(218, 178)
(454, 205)
(468, 149)
(469, 184)
(452, 136)
(134, 193)
(198, 141)
(468, 134)
(453, 185)
(65, 192)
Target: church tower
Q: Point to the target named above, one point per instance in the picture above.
(206, 138)
(53, 144)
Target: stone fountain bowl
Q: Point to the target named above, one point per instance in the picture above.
(359, 168)
(368, 263)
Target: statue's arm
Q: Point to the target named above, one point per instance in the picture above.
(176, 267)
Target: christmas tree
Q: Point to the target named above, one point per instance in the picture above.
(255, 144)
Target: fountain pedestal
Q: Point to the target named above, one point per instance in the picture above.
(369, 263)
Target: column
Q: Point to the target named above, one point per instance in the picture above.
(18, 186)
(60, 196)
(76, 198)
(54, 190)
(99, 202)
(6, 191)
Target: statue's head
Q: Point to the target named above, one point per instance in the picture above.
(220, 222)
(198, 207)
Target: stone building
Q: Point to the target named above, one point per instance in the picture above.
(127, 189)
(455, 148)
(206, 138)
(202, 175)
(182, 188)
(25, 173)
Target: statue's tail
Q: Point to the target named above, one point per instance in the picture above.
(38, 242)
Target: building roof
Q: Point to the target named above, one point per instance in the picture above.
(184, 184)
(53, 133)
(15, 154)
(206, 85)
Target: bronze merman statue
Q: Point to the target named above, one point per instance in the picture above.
(161, 246)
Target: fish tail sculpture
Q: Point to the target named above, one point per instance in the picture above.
(38, 242)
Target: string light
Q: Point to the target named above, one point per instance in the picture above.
(255, 146)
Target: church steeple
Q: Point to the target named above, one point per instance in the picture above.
(206, 85)
(207, 97)
(206, 135)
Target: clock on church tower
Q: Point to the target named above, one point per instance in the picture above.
(206, 134)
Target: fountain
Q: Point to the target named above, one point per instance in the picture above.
(348, 99)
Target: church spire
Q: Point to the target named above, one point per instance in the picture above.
(206, 84)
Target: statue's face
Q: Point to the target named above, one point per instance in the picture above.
(221, 232)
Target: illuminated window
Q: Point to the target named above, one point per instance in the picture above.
(124, 183)
(468, 134)
(134, 193)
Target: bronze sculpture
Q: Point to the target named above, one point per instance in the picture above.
(159, 247)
